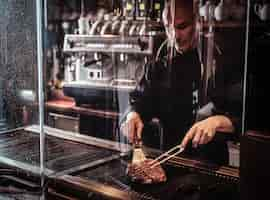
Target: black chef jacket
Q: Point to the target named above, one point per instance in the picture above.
(168, 92)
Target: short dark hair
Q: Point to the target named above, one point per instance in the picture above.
(190, 8)
(192, 5)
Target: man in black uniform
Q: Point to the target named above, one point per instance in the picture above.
(169, 88)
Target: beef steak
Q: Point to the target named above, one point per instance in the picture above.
(143, 173)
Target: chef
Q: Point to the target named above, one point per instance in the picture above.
(169, 90)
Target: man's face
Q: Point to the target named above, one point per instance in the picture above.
(182, 30)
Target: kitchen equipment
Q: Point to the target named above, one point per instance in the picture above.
(142, 45)
(117, 48)
(89, 166)
(138, 154)
(204, 10)
(167, 155)
(156, 162)
(186, 178)
(159, 160)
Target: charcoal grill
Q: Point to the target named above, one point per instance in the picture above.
(187, 179)
(85, 167)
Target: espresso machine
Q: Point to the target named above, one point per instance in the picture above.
(105, 58)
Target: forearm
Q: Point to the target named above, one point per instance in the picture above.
(231, 120)
(224, 124)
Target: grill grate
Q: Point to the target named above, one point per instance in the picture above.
(61, 154)
(178, 178)
(133, 194)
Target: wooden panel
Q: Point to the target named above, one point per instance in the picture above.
(255, 165)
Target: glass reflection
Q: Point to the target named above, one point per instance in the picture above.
(105, 54)
(19, 147)
(100, 59)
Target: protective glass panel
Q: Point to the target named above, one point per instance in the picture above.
(19, 108)
(127, 80)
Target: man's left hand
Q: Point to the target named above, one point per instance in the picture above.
(204, 131)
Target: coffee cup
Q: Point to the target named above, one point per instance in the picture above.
(204, 10)
(221, 11)
(263, 11)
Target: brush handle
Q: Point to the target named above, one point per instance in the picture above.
(137, 142)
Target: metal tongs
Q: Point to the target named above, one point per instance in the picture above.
(138, 156)
(167, 155)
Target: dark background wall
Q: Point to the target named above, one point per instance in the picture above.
(255, 144)
(18, 69)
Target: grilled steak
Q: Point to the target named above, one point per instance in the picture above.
(143, 173)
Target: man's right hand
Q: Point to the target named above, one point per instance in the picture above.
(132, 127)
